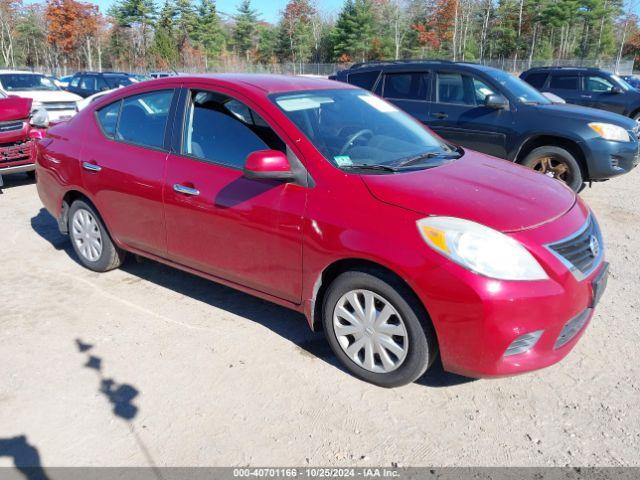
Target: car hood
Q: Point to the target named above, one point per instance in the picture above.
(14, 108)
(49, 96)
(486, 190)
(576, 112)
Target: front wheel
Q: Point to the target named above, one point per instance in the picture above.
(557, 163)
(373, 325)
(90, 239)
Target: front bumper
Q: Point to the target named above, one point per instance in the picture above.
(29, 167)
(477, 319)
(606, 159)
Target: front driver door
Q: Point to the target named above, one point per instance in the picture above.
(459, 115)
(247, 231)
(600, 91)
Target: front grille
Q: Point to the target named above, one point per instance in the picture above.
(571, 328)
(582, 251)
(14, 152)
(59, 105)
(11, 126)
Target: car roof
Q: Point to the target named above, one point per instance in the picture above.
(404, 65)
(265, 83)
(565, 69)
(20, 72)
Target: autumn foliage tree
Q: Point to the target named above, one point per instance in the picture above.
(73, 29)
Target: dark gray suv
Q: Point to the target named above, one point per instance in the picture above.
(589, 87)
(494, 112)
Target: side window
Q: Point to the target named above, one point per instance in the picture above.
(597, 84)
(537, 80)
(364, 80)
(74, 82)
(481, 91)
(108, 118)
(102, 85)
(88, 83)
(451, 89)
(225, 131)
(406, 86)
(564, 82)
(143, 118)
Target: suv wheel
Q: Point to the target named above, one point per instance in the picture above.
(557, 163)
(90, 239)
(373, 326)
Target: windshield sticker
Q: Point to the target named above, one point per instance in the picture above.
(378, 103)
(302, 103)
(343, 160)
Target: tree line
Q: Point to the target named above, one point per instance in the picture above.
(61, 35)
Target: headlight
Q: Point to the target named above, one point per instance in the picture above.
(609, 131)
(480, 249)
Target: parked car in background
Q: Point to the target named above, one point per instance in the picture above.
(328, 200)
(161, 74)
(60, 105)
(632, 80)
(86, 84)
(493, 112)
(17, 133)
(589, 87)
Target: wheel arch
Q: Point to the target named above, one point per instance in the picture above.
(68, 198)
(333, 270)
(572, 146)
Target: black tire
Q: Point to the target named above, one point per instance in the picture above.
(422, 346)
(550, 160)
(31, 174)
(110, 256)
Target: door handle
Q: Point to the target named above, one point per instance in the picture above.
(186, 190)
(440, 115)
(92, 167)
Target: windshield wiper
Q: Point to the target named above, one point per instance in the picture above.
(364, 166)
(423, 156)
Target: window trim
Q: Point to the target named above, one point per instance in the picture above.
(166, 145)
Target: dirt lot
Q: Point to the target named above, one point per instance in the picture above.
(148, 365)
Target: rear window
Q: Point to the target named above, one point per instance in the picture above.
(564, 82)
(108, 118)
(364, 80)
(536, 79)
(406, 86)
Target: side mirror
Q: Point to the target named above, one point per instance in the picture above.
(268, 164)
(497, 101)
(617, 90)
(40, 118)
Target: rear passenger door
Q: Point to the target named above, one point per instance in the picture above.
(567, 87)
(459, 114)
(123, 165)
(409, 91)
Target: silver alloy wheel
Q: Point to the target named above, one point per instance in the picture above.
(370, 331)
(86, 234)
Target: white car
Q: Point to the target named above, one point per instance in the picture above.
(92, 98)
(59, 104)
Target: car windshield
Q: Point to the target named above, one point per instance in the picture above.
(623, 83)
(520, 89)
(18, 82)
(355, 129)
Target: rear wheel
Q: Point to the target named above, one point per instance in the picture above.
(557, 163)
(373, 324)
(90, 239)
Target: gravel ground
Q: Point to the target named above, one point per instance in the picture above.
(147, 365)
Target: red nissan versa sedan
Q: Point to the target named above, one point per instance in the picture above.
(326, 199)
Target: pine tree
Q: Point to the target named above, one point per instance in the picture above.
(244, 31)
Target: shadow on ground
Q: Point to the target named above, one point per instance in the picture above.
(15, 180)
(25, 456)
(286, 323)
